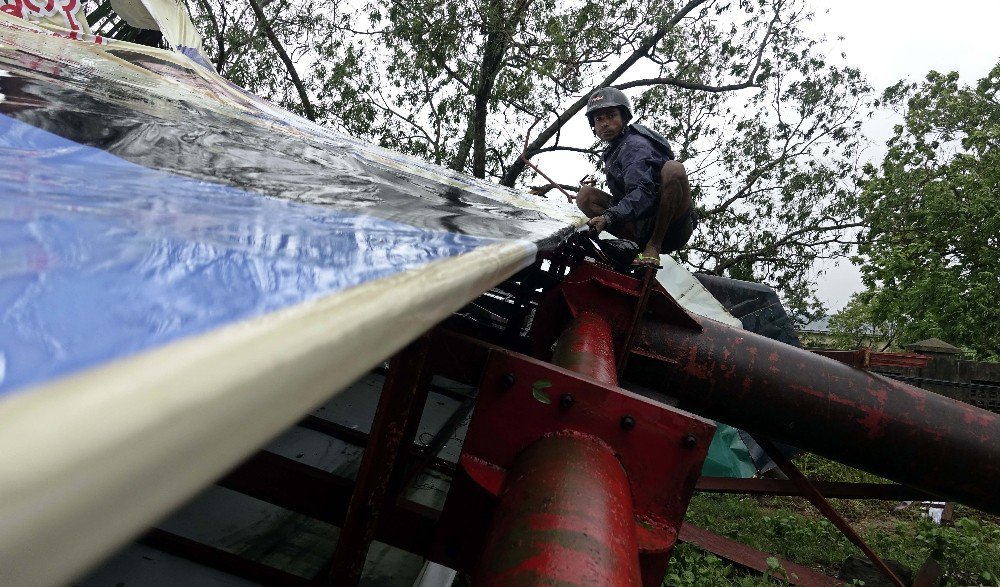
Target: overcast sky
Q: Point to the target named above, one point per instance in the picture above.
(891, 40)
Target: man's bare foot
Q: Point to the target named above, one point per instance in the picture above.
(649, 258)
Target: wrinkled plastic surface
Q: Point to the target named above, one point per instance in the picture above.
(166, 115)
(91, 271)
(146, 201)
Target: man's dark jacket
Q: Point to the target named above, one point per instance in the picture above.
(632, 163)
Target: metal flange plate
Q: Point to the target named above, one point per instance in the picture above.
(660, 448)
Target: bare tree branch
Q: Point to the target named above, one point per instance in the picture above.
(673, 81)
(541, 190)
(572, 149)
(268, 31)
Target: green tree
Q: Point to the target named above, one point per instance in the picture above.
(767, 128)
(265, 46)
(931, 252)
(855, 327)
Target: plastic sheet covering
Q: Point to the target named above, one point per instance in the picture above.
(187, 270)
(728, 455)
(135, 14)
(94, 270)
(145, 199)
(167, 16)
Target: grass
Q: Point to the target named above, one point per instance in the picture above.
(968, 549)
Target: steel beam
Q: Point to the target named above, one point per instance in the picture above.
(381, 473)
(754, 559)
(360, 438)
(820, 503)
(849, 415)
(221, 560)
(829, 489)
(325, 496)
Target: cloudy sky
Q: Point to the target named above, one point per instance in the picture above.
(891, 40)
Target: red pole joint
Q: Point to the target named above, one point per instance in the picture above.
(592, 481)
(565, 513)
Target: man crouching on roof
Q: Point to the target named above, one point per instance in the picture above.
(650, 200)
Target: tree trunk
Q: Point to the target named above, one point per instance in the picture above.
(462, 156)
(497, 42)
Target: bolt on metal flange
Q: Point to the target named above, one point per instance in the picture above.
(566, 401)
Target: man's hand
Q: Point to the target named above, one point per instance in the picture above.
(597, 224)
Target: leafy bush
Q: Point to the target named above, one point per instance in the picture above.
(968, 551)
(693, 567)
(804, 539)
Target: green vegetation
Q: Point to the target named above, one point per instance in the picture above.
(692, 567)
(932, 211)
(767, 126)
(855, 327)
(968, 549)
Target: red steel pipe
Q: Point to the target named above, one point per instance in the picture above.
(886, 427)
(565, 515)
(564, 518)
(586, 346)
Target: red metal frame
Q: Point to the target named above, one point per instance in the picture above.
(581, 461)
(625, 302)
(381, 473)
(817, 404)
(662, 451)
(557, 452)
(867, 358)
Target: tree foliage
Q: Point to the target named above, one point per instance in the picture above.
(931, 252)
(855, 327)
(766, 126)
(261, 45)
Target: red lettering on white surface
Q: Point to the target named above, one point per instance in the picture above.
(69, 10)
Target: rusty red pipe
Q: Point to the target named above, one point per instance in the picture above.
(565, 515)
(586, 346)
(564, 518)
(886, 427)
